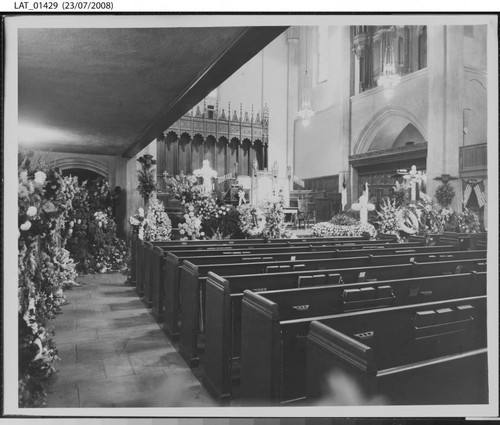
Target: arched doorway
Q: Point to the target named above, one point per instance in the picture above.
(82, 174)
(394, 140)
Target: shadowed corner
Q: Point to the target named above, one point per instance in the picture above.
(340, 389)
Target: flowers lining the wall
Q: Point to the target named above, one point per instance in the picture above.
(44, 269)
(94, 243)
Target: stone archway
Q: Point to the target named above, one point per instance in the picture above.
(98, 167)
(393, 139)
(384, 128)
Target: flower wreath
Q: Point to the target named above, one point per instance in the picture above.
(252, 220)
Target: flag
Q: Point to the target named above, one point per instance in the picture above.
(481, 198)
(344, 194)
(467, 193)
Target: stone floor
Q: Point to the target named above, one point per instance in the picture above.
(114, 354)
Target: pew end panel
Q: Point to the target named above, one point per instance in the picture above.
(171, 298)
(260, 381)
(216, 359)
(148, 268)
(323, 376)
(190, 293)
(139, 280)
(158, 292)
(133, 261)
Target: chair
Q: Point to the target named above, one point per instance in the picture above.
(302, 214)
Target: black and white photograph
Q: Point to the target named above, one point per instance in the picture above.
(244, 215)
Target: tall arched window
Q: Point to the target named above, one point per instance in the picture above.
(422, 48)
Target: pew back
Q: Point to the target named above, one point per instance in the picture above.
(438, 350)
(193, 278)
(275, 324)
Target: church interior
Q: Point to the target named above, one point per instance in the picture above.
(333, 126)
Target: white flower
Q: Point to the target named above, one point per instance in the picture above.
(26, 225)
(24, 176)
(133, 221)
(141, 212)
(31, 212)
(40, 177)
(182, 231)
(79, 221)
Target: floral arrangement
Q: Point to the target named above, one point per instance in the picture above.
(147, 182)
(343, 220)
(328, 229)
(94, 244)
(158, 226)
(138, 222)
(467, 222)
(400, 193)
(252, 220)
(275, 218)
(101, 218)
(430, 217)
(191, 228)
(388, 220)
(445, 194)
(184, 188)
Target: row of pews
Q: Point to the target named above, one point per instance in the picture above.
(278, 322)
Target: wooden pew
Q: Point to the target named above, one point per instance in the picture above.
(168, 286)
(352, 269)
(460, 240)
(223, 317)
(143, 252)
(479, 240)
(433, 353)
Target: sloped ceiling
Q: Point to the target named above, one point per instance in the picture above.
(112, 91)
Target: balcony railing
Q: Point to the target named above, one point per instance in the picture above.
(473, 159)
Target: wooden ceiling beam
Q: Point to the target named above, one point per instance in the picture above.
(250, 42)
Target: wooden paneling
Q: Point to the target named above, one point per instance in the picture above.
(473, 159)
(326, 200)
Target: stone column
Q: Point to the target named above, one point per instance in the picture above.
(292, 95)
(446, 95)
(346, 89)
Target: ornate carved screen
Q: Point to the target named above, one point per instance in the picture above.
(222, 140)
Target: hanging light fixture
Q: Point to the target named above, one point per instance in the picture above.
(306, 112)
(389, 77)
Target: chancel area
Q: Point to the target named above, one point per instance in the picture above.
(247, 216)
